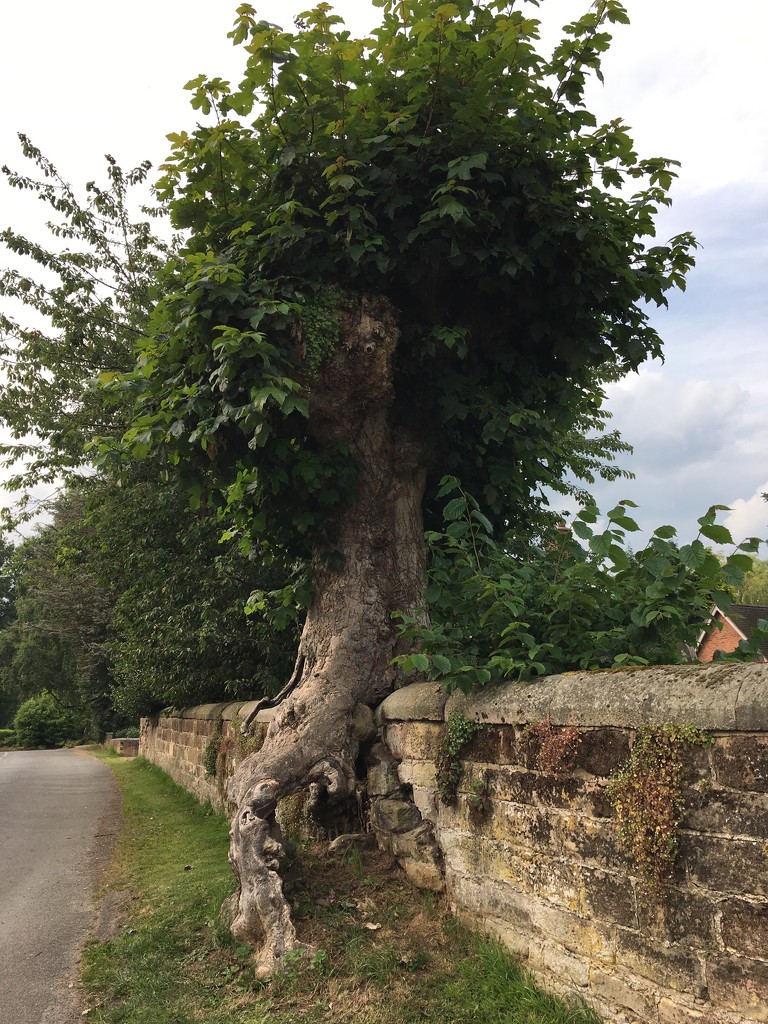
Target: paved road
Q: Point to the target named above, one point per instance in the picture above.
(58, 814)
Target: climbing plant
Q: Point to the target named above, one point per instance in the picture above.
(647, 798)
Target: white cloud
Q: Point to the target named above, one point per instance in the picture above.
(749, 517)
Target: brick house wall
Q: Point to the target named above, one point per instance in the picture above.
(726, 639)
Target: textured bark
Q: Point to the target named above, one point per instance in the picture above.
(349, 640)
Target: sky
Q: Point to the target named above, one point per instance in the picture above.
(91, 77)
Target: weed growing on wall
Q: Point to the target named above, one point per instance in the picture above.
(480, 795)
(647, 798)
(211, 754)
(557, 747)
(459, 732)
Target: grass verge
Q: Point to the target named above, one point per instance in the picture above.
(386, 953)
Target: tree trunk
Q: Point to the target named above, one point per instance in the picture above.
(376, 566)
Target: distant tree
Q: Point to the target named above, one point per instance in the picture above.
(43, 721)
(56, 641)
(178, 634)
(411, 256)
(9, 698)
(87, 295)
(130, 603)
(754, 589)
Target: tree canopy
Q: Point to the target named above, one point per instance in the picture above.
(445, 164)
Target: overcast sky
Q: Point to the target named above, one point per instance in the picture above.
(88, 77)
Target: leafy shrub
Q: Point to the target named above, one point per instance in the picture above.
(43, 721)
(578, 599)
(7, 738)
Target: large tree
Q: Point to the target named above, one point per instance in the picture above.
(410, 255)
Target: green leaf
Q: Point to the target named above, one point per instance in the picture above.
(716, 533)
(693, 555)
(665, 532)
(455, 508)
(742, 562)
(581, 529)
(602, 543)
(420, 662)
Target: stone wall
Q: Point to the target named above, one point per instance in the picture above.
(186, 744)
(530, 852)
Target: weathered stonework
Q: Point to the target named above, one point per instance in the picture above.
(541, 868)
(178, 740)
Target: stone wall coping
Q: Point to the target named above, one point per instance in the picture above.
(419, 702)
(729, 697)
(210, 712)
(222, 712)
(265, 715)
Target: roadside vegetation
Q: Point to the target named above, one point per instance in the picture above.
(385, 952)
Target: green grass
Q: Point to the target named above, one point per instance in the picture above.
(173, 963)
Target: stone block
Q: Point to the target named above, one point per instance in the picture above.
(752, 701)
(725, 865)
(602, 751)
(419, 702)
(680, 917)
(420, 856)
(740, 984)
(414, 773)
(513, 704)
(463, 854)
(704, 696)
(744, 928)
(212, 712)
(726, 811)
(671, 1012)
(555, 881)
(518, 824)
(669, 967)
(383, 778)
(423, 875)
(414, 741)
(426, 800)
(561, 962)
(391, 815)
(231, 712)
(495, 745)
(520, 786)
(608, 897)
(515, 940)
(741, 762)
(626, 993)
(545, 922)
(477, 898)
(590, 841)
